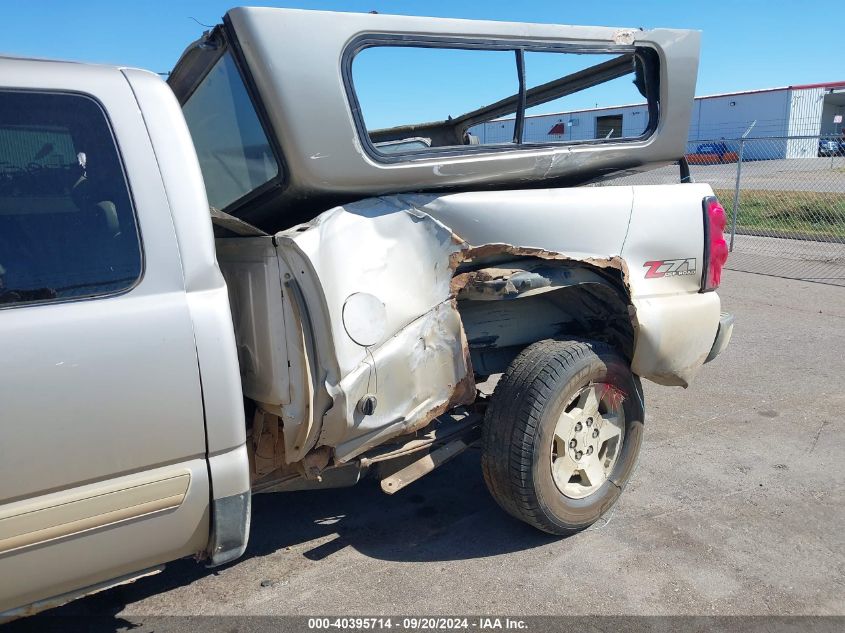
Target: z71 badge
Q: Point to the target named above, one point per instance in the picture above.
(670, 268)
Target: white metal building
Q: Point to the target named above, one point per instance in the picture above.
(802, 110)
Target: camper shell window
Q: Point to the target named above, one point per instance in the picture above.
(234, 150)
(413, 98)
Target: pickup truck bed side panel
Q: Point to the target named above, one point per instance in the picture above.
(400, 253)
(675, 324)
(378, 263)
(581, 222)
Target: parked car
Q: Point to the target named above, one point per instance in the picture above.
(242, 288)
(831, 147)
(712, 153)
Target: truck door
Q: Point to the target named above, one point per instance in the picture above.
(102, 442)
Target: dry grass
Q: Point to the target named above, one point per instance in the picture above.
(783, 212)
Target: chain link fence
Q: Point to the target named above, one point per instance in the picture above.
(785, 200)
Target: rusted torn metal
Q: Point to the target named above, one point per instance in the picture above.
(498, 283)
(535, 271)
(488, 251)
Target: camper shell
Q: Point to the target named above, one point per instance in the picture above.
(297, 68)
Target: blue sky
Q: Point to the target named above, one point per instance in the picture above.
(746, 44)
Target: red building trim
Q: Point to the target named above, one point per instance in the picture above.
(830, 84)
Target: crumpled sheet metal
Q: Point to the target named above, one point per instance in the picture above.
(407, 258)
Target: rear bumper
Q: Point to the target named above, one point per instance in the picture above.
(674, 335)
(723, 335)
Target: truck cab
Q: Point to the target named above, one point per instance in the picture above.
(122, 441)
(240, 281)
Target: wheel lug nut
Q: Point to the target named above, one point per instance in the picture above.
(573, 443)
(589, 421)
(578, 454)
(589, 450)
(595, 432)
(578, 426)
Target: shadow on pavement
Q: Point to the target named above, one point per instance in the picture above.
(447, 515)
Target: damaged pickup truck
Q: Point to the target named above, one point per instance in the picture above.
(368, 295)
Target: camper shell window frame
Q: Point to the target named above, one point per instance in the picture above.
(646, 54)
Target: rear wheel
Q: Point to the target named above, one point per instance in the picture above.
(562, 434)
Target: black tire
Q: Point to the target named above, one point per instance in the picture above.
(519, 427)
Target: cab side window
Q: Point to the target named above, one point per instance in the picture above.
(67, 226)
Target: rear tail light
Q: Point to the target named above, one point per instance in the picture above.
(715, 246)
